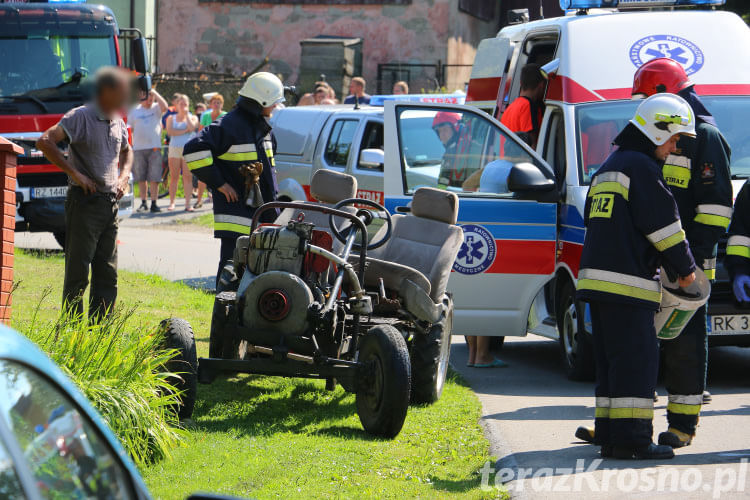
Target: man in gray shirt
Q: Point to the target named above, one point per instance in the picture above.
(98, 167)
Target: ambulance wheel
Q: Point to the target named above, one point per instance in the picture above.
(178, 334)
(575, 343)
(429, 360)
(383, 394)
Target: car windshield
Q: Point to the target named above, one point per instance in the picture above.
(597, 125)
(38, 62)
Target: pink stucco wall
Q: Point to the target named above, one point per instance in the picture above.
(236, 36)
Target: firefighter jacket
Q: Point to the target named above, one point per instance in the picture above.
(632, 227)
(700, 180)
(737, 260)
(215, 156)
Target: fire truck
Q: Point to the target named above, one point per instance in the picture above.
(48, 55)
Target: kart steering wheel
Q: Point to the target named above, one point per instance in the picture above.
(368, 215)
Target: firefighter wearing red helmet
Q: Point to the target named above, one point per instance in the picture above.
(453, 169)
(700, 180)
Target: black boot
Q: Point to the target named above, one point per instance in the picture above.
(585, 434)
(650, 452)
(606, 451)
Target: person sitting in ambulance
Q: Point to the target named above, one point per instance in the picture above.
(447, 125)
(524, 115)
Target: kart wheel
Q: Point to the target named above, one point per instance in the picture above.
(383, 400)
(178, 334)
(429, 360)
(575, 343)
(60, 238)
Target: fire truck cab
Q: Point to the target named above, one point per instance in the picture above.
(522, 210)
(48, 52)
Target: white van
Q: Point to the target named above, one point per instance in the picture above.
(523, 235)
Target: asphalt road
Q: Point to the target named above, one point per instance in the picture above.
(531, 412)
(530, 409)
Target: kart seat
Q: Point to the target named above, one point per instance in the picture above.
(416, 261)
(328, 187)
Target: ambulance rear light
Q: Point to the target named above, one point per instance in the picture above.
(633, 4)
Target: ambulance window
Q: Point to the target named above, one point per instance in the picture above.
(539, 48)
(456, 150)
(597, 126)
(372, 138)
(340, 143)
(554, 144)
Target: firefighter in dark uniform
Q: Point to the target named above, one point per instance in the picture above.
(699, 177)
(632, 227)
(226, 149)
(737, 260)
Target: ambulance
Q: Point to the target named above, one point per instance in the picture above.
(522, 213)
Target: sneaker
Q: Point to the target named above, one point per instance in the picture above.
(585, 434)
(707, 397)
(155, 208)
(675, 438)
(650, 452)
(143, 207)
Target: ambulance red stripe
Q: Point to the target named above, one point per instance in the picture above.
(483, 89)
(523, 257)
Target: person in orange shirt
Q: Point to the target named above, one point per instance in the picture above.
(524, 115)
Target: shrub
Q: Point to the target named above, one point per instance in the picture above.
(120, 369)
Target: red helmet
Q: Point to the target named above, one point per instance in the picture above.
(446, 118)
(660, 75)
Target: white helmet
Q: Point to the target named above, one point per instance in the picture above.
(663, 115)
(263, 87)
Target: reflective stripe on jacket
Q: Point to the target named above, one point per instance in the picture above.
(215, 157)
(632, 226)
(700, 180)
(737, 260)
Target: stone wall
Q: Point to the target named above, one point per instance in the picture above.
(224, 36)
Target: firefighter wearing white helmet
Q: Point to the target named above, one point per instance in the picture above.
(221, 154)
(632, 226)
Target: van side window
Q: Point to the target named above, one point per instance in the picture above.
(372, 138)
(340, 143)
(459, 151)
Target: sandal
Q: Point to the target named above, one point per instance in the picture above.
(496, 363)
(198, 205)
(189, 209)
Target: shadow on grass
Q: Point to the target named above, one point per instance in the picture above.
(260, 405)
(41, 252)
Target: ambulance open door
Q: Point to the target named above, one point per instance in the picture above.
(489, 78)
(508, 207)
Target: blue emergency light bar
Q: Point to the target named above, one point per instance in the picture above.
(632, 4)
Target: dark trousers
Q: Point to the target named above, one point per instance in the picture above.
(90, 245)
(627, 359)
(685, 360)
(225, 254)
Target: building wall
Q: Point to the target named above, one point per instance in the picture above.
(237, 36)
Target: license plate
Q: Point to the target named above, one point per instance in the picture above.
(729, 324)
(49, 192)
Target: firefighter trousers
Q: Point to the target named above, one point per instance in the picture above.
(226, 253)
(627, 359)
(685, 360)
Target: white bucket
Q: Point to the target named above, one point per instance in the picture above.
(679, 304)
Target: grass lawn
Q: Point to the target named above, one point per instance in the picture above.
(267, 437)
